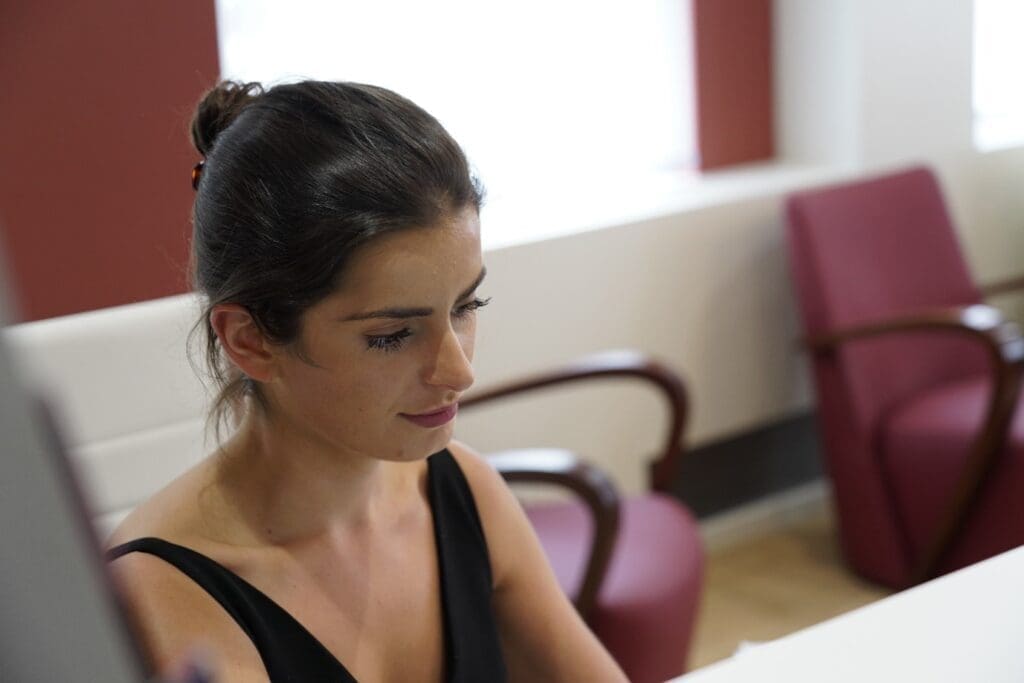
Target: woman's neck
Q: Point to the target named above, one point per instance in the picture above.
(283, 490)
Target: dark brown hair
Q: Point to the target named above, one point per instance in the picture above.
(294, 179)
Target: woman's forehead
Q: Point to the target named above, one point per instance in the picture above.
(415, 260)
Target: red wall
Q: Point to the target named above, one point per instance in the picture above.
(733, 51)
(94, 154)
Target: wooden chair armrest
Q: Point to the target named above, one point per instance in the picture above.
(624, 363)
(980, 321)
(589, 483)
(1005, 348)
(1002, 286)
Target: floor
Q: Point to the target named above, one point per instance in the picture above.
(772, 585)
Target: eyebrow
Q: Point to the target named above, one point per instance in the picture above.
(402, 313)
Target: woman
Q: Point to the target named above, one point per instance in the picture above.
(336, 242)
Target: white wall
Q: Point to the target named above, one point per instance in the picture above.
(862, 86)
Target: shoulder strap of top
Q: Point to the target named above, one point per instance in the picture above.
(289, 652)
(474, 649)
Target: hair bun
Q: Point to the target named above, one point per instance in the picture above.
(219, 107)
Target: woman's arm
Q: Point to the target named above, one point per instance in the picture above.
(543, 637)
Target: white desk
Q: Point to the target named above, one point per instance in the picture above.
(965, 627)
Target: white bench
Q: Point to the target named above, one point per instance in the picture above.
(131, 409)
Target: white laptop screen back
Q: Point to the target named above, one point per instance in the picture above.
(58, 619)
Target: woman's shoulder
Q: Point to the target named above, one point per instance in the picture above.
(149, 582)
(473, 465)
(173, 617)
(501, 516)
(489, 490)
(168, 607)
(170, 513)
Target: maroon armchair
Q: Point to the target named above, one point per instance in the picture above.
(916, 379)
(633, 567)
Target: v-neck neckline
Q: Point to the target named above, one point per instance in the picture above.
(450, 646)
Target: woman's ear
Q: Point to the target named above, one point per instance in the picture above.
(243, 341)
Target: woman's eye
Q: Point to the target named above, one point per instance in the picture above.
(467, 308)
(388, 342)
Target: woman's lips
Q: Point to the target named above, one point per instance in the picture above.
(435, 419)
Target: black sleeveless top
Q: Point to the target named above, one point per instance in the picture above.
(291, 654)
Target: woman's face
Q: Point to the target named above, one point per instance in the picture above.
(392, 347)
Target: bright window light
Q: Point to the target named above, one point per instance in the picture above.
(547, 98)
(998, 65)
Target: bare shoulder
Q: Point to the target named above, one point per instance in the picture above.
(172, 615)
(160, 515)
(480, 474)
(505, 524)
(174, 618)
(492, 495)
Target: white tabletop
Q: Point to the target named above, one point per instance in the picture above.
(964, 627)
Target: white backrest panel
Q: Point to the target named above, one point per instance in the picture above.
(128, 402)
(121, 472)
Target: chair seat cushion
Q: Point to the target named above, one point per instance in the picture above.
(925, 445)
(646, 607)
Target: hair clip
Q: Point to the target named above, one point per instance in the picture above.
(197, 171)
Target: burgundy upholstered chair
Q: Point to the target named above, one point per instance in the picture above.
(916, 379)
(634, 567)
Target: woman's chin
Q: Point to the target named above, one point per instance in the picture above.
(440, 437)
(423, 445)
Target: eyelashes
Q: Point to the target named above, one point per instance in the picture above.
(465, 309)
(388, 342)
(393, 342)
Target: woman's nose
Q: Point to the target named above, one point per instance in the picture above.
(451, 367)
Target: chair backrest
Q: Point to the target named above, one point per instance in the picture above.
(876, 249)
(125, 396)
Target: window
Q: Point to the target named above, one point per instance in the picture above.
(998, 60)
(545, 97)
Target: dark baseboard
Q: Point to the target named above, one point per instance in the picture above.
(732, 472)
